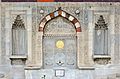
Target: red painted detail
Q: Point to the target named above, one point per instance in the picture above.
(40, 29)
(52, 15)
(78, 29)
(60, 12)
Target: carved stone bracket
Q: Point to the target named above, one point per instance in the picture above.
(102, 60)
(18, 60)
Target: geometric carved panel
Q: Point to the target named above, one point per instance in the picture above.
(59, 25)
(59, 57)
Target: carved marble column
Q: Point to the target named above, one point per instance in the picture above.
(80, 50)
(7, 35)
(118, 25)
(117, 35)
(39, 58)
(35, 59)
(112, 27)
(84, 46)
(90, 38)
(29, 38)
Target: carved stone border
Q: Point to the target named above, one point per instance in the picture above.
(45, 20)
(63, 14)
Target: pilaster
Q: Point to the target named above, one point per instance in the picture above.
(112, 27)
(39, 53)
(80, 50)
(90, 37)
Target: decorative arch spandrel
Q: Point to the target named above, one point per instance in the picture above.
(56, 14)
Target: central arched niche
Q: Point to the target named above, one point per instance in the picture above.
(59, 44)
(45, 32)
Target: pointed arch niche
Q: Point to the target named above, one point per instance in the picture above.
(19, 42)
(23, 14)
(56, 14)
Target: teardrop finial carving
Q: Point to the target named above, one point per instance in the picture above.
(101, 24)
(18, 23)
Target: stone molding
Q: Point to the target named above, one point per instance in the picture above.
(63, 14)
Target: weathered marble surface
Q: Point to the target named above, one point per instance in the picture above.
(89, 12)
(101, 72)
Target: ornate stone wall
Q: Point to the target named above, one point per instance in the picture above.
(86, 13)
